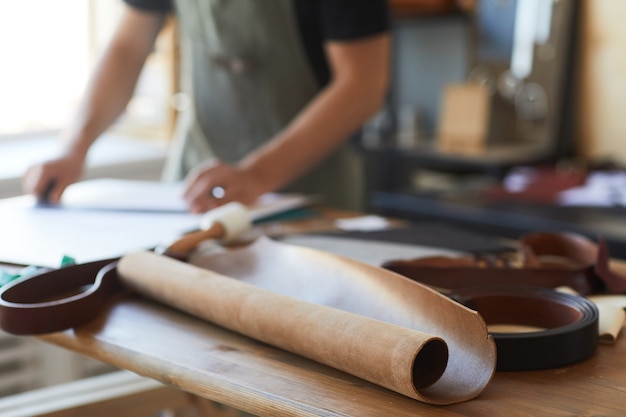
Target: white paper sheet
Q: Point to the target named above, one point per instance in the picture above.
(164, 197)
(105, 218)
(366, 251)
(601, 189)
(42, 236)
(125, 195)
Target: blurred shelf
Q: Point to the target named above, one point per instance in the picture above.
(507, 217)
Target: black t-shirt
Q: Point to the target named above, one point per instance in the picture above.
(319, 21)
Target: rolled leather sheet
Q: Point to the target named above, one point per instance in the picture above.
(361, 319)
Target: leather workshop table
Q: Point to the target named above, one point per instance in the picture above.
(169, 346)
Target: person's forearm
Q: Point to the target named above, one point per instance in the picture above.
(335, 114)
(110, 88)
(108, 93)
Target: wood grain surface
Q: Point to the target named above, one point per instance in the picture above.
(203, 359)
(159, 342)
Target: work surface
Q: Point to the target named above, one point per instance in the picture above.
(161, 343)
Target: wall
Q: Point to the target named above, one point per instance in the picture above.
(601, 127)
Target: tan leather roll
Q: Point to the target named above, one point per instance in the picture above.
(358, 318)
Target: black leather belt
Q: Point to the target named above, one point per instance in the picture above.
(570, 323)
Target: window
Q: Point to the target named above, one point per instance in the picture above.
(48, 49)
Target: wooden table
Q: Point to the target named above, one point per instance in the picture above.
(158, 342)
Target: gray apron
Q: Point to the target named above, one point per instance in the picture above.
(247, 76)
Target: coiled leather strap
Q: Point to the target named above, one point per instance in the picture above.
(569, 325)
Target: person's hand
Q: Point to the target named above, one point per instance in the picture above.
(215, 183)
(48, 180)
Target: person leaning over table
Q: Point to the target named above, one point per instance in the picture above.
(277, 89)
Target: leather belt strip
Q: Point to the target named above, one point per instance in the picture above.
(57, 300)
(518, 288)
(547, 260)
(570, 323)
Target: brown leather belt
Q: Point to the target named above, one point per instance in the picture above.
(71, 296)
(57, 300)
(518, 288)
(546, 260)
